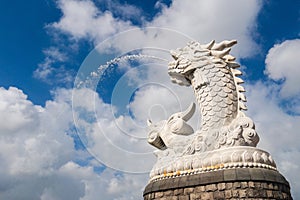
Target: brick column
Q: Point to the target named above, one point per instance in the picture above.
(239, 183)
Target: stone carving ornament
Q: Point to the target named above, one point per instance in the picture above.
(227, 137)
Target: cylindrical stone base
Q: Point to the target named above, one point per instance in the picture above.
(239, 183)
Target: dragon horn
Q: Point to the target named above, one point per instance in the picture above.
(220, 54)
(149, 122)
(208, 45)
(224, 44)
(188, 113)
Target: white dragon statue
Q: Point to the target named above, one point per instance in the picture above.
(227, 137)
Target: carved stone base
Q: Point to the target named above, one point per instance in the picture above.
(231, 157)
(238, 183)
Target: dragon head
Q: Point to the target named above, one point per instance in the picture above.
(194, 56)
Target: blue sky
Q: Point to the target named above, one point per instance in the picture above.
(46, 44)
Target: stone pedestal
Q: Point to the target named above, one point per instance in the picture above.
(236, 183)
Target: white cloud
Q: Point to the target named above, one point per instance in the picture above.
(278, 131)
(83, 20)
(55, 54)
(283, 63)
(38, 157)
(125, 11)
(44, 70)
(33, 141)
(52, 67)
(207, 20)
(17, 111)
(33, 145)
(105, 134)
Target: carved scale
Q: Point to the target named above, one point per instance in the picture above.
(227, 137)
